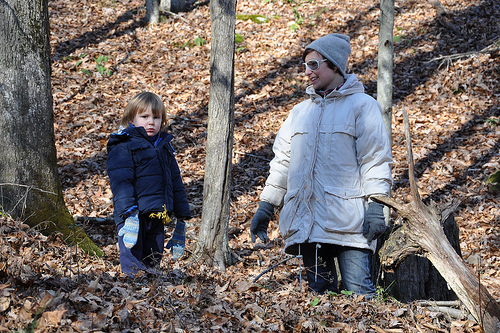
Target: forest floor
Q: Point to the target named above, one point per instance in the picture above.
(446, 76)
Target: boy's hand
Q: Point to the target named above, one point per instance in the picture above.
(374, 224)
(260, 221)
(130, 231)
(178, 240)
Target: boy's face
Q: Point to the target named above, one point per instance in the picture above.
(150, 122)
(324, 77)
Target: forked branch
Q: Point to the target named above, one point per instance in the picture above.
(422, 233)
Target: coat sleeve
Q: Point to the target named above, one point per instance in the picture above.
(373, 149)
(276, 183)
(181, 204)
(120, 169)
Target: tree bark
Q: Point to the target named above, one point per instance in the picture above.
(213, 237)
(422, 233)
(416, 278)
(152, 11)
(30, 189)
(174, 6)
(385, 62)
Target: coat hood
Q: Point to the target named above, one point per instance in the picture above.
(125, 133)
(351, 86)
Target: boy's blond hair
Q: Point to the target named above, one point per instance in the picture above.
(141, 103)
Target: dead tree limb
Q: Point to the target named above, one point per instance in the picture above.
(451, 57)
(422, 233)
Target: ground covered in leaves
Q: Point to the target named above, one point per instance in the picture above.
(446, 77)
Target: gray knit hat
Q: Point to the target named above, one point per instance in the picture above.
(334, 47)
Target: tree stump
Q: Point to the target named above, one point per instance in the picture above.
(416, 278)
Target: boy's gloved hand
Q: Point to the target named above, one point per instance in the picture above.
(178, 240)
(374, 224)
(130, 230)
(260, 221)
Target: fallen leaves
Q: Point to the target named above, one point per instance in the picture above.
(453, 108)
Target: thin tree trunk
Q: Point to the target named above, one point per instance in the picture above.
(385, 62)
(213, 237)
(152, 11)
(30, 189)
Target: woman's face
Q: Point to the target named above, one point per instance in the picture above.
(324, 77)
(150, 122)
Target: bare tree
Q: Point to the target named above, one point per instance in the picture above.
(30, 189)
(213, 237)
(385, 62)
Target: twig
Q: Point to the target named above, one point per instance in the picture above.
(28, 187)
(252, 155)
(174, 14)
(272, 267)
(95, 220)
(439, 303)
(460, 55)
(432, 327)
(182, 118)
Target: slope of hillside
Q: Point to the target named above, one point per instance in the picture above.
(446, 77)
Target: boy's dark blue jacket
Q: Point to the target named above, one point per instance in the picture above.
(143, 175)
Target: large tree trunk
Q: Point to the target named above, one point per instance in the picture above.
(385, 62)
(30, 189)
(213, 237)
(422, 233)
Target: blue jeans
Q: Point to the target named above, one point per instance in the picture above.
(149, 248)
(354, 265)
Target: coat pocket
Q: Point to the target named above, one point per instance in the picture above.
(142, 153)
(290, 216)
(344, 209)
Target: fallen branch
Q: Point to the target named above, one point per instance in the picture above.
(272, 267)
(174, 14)
(252, 155)
(96, 220)
(439, 303)
(461, 55)
(455, 313)
(422, 233)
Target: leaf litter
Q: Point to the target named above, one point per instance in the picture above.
(102, 55)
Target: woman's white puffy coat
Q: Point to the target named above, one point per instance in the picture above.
(331, 154)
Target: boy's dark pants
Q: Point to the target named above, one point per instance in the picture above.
(149, 248)
(354, 265)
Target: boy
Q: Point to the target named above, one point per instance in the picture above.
(146, 184)
(331, 154)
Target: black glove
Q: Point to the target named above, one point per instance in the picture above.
(374, 224)
(260, 221)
